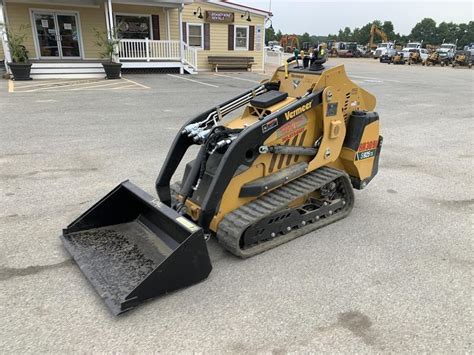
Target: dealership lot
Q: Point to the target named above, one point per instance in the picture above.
(396, 275)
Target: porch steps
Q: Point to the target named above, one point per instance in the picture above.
(189, 69)
(130, 64)
(90, 70)
(85, 70)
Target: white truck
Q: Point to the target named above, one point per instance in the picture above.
(384, 48)
(446, 51)
(411, 45)
(470, 48)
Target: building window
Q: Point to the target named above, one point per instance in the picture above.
(133, 26)
(195, 35)
(241, 39)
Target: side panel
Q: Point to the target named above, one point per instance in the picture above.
(362, 148)
(246, 148)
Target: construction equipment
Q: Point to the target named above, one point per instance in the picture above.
(435, 58)
(289, 43)
(374, 30)
(283, 168)
(345, 50)
(393, 56)
(411, 47)
(414, 57)
(398, 58)
(462, 58)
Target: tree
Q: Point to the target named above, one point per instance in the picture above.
(270, 34)
(388, 28)
(305, 37)
(465, 34)
(278, 36)
(425, 30)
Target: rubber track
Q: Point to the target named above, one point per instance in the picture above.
(234, 224)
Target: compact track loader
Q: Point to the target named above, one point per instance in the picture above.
(283, 168)
(463, 59)
(435, 58)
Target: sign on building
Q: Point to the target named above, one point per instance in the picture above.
(219, 16)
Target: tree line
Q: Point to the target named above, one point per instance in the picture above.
(426, 30)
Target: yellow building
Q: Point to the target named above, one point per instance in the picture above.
(178, 34)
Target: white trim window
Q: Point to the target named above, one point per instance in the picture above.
(195, 33)
(133, 26)
(241, 38)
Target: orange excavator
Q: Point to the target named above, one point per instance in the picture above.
(374, 30)
(289, 43)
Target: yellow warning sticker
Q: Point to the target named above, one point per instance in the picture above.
(187, 223)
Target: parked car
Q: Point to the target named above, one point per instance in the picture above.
(277, 49)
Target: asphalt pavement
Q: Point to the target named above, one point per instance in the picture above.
(394, 276)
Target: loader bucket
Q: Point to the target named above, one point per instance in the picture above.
(132, 247)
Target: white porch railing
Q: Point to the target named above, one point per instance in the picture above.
(148, 50)
(145, 49)
(190, 56)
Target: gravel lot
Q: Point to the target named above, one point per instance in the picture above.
(395, 276)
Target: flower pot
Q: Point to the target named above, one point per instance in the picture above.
(112, 70)
(20, 71)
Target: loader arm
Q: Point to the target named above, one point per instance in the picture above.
(182, 142)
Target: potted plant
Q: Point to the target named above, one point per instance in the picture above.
(109, 43)
(20, 65)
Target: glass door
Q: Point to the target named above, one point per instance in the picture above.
(46, 35)
(57, 35)
(68, 35)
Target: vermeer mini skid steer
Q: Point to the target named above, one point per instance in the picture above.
(283, 168)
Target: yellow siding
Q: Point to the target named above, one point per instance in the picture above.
(94, 18)
(90, 18)
(219, 33)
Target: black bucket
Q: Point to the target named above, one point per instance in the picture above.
(132, 247)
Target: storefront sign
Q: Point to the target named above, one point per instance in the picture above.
(219, 16)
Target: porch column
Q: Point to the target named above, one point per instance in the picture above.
(168, 31)
(107, 20)
(112, 30)
(111, 17)
(3, 35)
(181, 42)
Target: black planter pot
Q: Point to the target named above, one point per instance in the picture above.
(20, 71)
(112, 70)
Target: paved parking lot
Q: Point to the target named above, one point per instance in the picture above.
(395, 276)
(74, 85)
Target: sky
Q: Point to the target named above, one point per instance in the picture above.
(323, 17)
